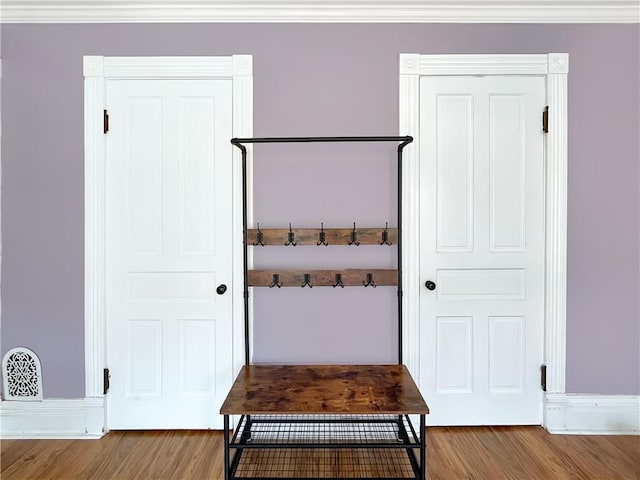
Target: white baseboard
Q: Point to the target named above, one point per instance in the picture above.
(592, 414)
(52, 418)
(84, 418)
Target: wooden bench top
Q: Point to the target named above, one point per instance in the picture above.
(324, 389)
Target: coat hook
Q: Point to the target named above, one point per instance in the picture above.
(291, 238)
(259, 237)
(354, 236)
(307, 281)
(385, 235)
(275, 282)
(338, 281)
(369, 281)
(322, 235)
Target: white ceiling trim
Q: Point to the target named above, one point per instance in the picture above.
(318, 11)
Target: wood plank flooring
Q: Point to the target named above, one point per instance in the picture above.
(487, 453)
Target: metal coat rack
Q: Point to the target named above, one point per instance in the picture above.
(336, 277)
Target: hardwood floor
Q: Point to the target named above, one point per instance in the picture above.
(485, 453)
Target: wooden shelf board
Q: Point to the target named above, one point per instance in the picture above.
(323, 278)
(311, 236)
(324, 389)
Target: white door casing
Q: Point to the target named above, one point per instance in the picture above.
(168, 247)
(98, 72)
(482, 243)
(554, 69)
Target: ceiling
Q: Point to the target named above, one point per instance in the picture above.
(319, 11)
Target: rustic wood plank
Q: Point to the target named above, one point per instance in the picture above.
(333, 236)
(496, 453)
(324, 389)
(322, 278)
(185, 455)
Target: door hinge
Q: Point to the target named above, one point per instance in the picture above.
(105, 122)
(106, 377)
(543, 377)
(545, 120)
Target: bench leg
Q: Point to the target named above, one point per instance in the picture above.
(423, 449)
(226, 447)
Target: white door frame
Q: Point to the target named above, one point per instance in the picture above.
(97, 71)
(554, 67)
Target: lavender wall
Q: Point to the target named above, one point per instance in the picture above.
(318, 80)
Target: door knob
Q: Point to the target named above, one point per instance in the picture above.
(221, 289)
(430, 285)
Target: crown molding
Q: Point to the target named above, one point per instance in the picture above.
(319, 11)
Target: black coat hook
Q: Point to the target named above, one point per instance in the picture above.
(323, 236)
(307, 281)
(385, 235)
(338, 281)
(354, 236)
(370, 281)
(275, 282)
(259, 237)
(291, 238)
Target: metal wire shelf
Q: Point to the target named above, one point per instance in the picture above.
(302, 431)
(324, 464)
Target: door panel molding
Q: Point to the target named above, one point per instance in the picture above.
(97, 70)
(554, 67)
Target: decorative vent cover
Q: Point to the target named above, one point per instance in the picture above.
(22, 375)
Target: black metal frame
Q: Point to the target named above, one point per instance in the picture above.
(406, 440)
(240, 143)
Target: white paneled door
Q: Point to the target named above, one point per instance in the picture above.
(482, 249)
(169, 332)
